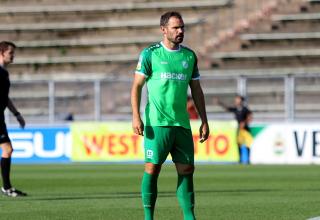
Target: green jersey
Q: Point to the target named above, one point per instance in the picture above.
(168, 73)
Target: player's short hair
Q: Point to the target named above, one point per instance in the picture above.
(4, 45)
(166, 16)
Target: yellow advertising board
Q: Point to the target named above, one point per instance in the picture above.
(115, 142)
(221, 145)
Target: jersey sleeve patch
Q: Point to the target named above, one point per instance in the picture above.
(144, 63)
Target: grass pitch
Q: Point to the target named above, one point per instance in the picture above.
(108, 191)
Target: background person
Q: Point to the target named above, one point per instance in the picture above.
(244, 116)
(7, 50)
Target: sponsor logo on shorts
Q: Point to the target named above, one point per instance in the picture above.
(149, 154)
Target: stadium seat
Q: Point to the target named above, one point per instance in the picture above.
(267, 58)
(25, 95)
(297, 17)
(301, 71)
(114, 7)
(268, 40)
(87, 42)
(69, 26)
(124, 58)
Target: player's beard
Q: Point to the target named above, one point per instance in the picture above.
(177, 39)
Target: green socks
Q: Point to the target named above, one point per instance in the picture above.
(149, 192)
(185, 196)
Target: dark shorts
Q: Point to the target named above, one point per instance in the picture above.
(160, 141)
(4, 137)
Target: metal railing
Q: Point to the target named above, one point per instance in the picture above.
(286, 98)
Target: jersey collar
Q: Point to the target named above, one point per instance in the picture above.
(169, 50)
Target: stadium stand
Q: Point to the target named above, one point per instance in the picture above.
(267, 58)
(283, 43)
(93, 46)
(305, 17)
(114, 7)
(37, 23)
(264, 40)
(293, 21)
(93, 53)
(74, 26)
(87, 41)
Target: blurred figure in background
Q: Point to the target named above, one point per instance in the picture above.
(244, 117)
(69, 117)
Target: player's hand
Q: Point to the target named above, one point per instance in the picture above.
(21, 120)
(204, 132)
(137, 126)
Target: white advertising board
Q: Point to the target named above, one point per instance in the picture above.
(287, 143)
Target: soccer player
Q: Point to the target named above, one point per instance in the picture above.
(7, 50)
(168, 69)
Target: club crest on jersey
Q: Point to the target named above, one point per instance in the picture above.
(185, 64)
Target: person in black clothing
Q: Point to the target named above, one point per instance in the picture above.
(243, 115)
(7, 50)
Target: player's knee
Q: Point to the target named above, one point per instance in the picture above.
(153, 169)
(189, 169)
(10, 151)
(7, 152)
(185, 169)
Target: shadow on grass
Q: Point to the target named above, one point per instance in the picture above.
(133, 195)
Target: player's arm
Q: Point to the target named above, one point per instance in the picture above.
(198, 98)
(242, 124)
(219, 102)
(16, 113)
(249, 117)
(136, 89)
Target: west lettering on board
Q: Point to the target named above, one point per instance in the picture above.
(93, 144)
(115, 144)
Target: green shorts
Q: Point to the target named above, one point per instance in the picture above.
(162, 140)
